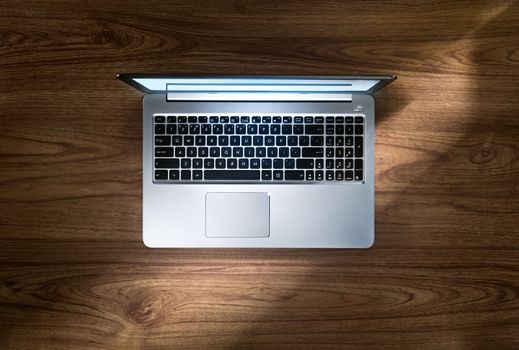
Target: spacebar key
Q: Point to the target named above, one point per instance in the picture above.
(231, 175)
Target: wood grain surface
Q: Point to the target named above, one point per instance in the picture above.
(444, 270)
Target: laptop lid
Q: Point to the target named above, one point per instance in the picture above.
(256, 88)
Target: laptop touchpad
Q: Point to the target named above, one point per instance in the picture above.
(235, 214)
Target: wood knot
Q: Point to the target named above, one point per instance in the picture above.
(103, 36)
(483, 155)
(144, 309)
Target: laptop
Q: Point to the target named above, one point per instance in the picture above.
(258, 161)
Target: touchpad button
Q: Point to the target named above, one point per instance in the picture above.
(235, 214)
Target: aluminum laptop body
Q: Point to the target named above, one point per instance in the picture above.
(190, 202)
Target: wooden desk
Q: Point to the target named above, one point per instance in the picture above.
(444, 271)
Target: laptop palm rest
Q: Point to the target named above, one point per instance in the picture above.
(235, 214)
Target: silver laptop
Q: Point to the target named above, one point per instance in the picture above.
(258, 161)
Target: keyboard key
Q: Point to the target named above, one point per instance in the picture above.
(348, 175)
(249, 152)
(295, 152)
(348, 141)
(358, 164)
(160, 129)
(191, 119)
(298, 129)
(261, 152)
(226, 152)
(257, 140)
(287, 119)
(330, 141)
(339, 129)
(246, 140)
(348, 119)
(163, 151)
(275, 129)
(266, 120)
(212, 140)
(298, 119)
(330, 120)
(180, 152)
(319, 175)
(244, 120)
(348, 164)
(252, 129)
(359, 144)
(286, 129)
(189, 140)
(213, 119)
(304, 163)
(348, 129)
(183, 129)
(263, 129)
(197, 174)
(191, 152)
(272, 152)
(283, 152)
(330, 164)
(197, 163)
(162, 140)
(202, 119)
(317, 141)
(235, 119)
(358, 175)
(256, 120)
(232, 163)
(314, 129)
(205, 129)
(278, 163)
(269, 140)
(359, 120)
(339, 152)
(304, 141)
(329, 175)
(255, 163)
(290, 163)
(160, 119)
(292, 140)
(309, 175)
(339, 120)
(294, 175)
(266, 163)
(348, 152)
(339, 163)
(185, 175)
(243, 163)
(278, 175)
(174, 174)
(330, 152)
(237, 152)
(200, 140)
(266, 175)
(171, 129)
(229, 129)
(172, 119)
(209, 163)
(319, 163)
(309, 120)
(217, 129)
(231, 174)
(339, 141)
(224, 119)
(313, 152)
(161, 174)
(220, 163)
(319, 119)
(241, 129)
(359, 129)
(214, 152)
(276, 120)
(330, 130)
(339, 175)
(223, 140)
(185, 163)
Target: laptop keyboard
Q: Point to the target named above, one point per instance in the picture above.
(258, 149)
